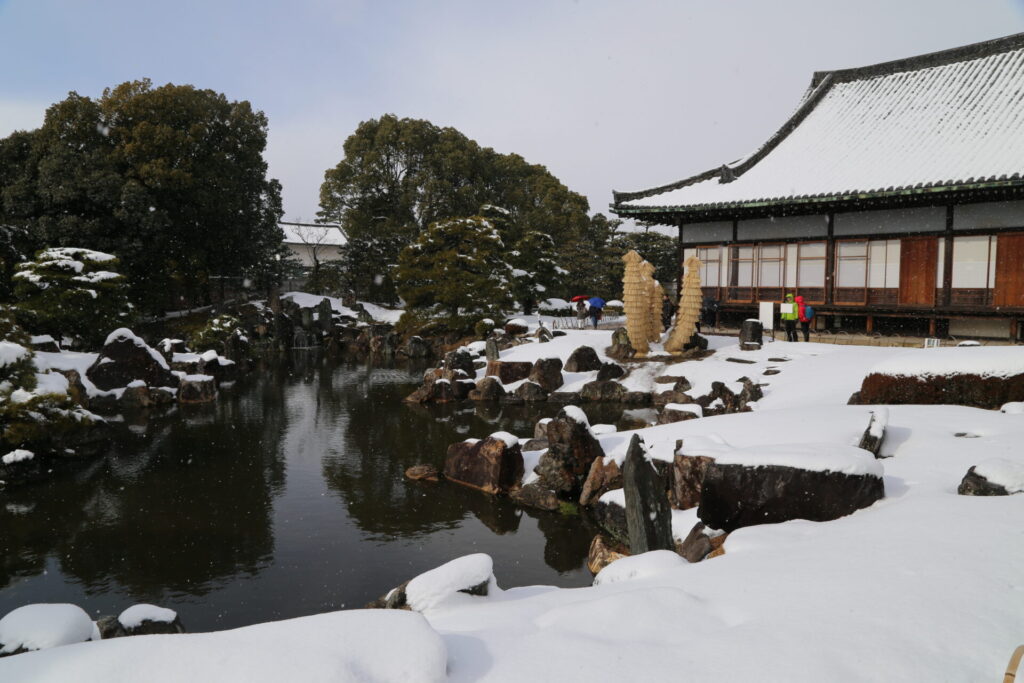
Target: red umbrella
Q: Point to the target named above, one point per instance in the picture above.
(579, 297)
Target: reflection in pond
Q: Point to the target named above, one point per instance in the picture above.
(285, 498)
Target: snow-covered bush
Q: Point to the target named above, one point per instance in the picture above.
(217, 333)
(71, 292)
(46, 423)
(16, 367)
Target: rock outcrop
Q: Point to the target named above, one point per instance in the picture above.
(125, 357)
(571, 451)
(547, 372)
(583, 359)
(648, 516)
(493, 465)
(962, 389)
(508, 371)
(734, 496)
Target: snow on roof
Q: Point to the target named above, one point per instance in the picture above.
(303, 233)
(951, 118)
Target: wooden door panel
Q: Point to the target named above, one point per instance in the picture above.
(1009, 289)
(919, 258)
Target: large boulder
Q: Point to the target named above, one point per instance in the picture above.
(534, 495)
(611, 517)
(547, 372)
(610, 371)
(603, 477)
(197, 389)
(571, 451)
(621, 348)
(530, 392)
(460, 359)
(493, 465)
(508, 371)
(700, 543)
(144, 620)
(993, 477)
(679, 412)
(687, 477)
(603, 551)
(42, 626)
(648, 515)
(819, 482)
(943, 388)
(583, 359)
(126, 357)
(487, 389)
(416, 347)
(603, 391)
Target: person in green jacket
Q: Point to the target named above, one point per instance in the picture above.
(789, 319)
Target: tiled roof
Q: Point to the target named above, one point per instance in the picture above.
(306, 233)
(953, 118)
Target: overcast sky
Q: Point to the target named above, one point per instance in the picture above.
(607, 95)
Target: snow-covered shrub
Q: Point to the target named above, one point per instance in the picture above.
(46, 423)
(483, 327)
(71, 292)
(217, 333)
(16, 367)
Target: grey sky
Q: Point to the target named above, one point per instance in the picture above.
(607, 95)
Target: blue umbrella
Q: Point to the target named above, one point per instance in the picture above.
(596, 302)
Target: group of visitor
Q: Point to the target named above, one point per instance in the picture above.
(592, 307)
(794, 310)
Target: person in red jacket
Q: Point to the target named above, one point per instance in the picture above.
(805, 322)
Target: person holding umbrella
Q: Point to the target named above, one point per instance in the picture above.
(596, 306)
(581, 310)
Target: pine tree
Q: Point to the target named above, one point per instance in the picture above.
(70, 292)
(456, 268)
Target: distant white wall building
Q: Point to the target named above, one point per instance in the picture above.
(309, 242)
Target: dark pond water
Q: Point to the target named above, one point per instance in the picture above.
(286, 498)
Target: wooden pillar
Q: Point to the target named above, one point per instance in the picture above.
(830, 260)
(1014, 329)
(679, 260)
(869, 324)
(932, 326)
(947, 258)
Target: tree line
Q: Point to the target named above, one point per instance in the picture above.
(172, 181)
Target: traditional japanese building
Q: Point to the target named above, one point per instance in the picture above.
(892, 198)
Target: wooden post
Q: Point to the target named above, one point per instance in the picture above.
(947, 258)
(932, 326)
(1014, 329)
(870, 324)
(830, 260)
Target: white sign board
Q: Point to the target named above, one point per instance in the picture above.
(766, 314)
(786, 308)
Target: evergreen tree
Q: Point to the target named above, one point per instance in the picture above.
(534, 269)
(457, 268)
(398, 176)
(70, 292)
(660, 250)
(172, 179)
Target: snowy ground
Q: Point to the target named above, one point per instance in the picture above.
(925, 585)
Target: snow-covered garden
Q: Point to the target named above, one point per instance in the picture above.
(923, 584)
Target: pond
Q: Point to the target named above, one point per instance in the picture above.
(285, 498)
